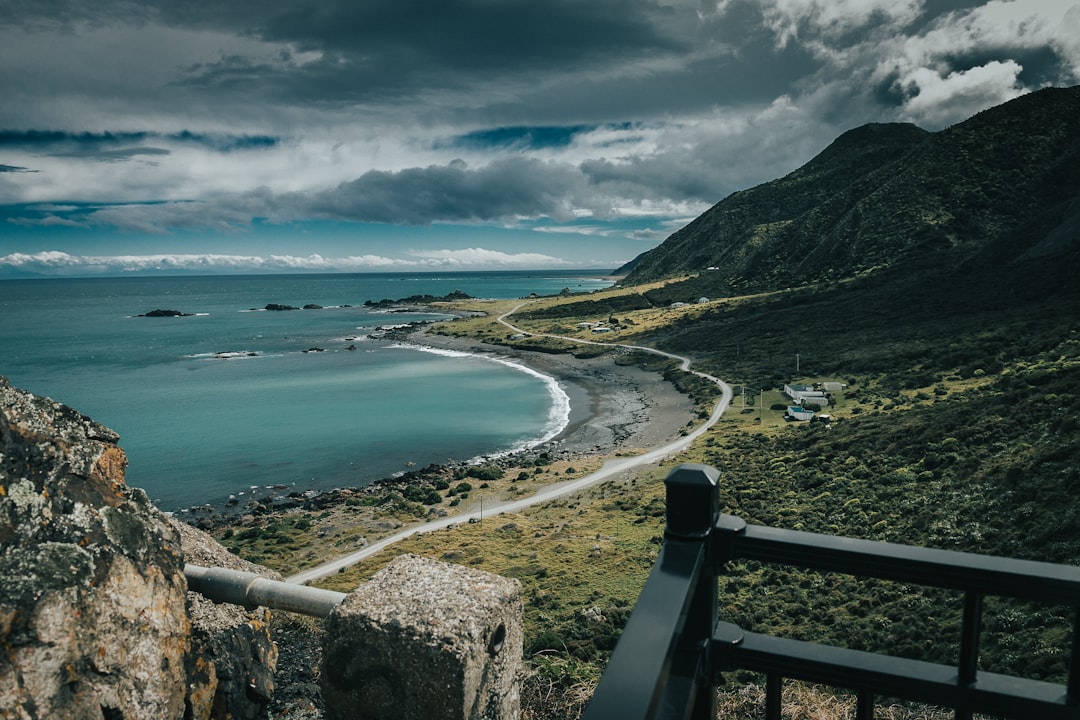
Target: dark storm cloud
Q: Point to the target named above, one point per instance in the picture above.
(562, 108)
(492, 37)
(455, 193)
(341, 52)
(118, 154)
(381, 50)
(14, 169)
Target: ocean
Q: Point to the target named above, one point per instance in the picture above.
(234, 397)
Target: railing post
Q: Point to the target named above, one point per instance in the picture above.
(969, 638)
(774, 696)
(1072, 687)
(693, 506)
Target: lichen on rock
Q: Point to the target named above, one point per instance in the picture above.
(95, 616)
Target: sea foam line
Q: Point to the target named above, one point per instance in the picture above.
(558, 416)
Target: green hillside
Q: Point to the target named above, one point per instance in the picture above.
(996, 186)
(936, 275)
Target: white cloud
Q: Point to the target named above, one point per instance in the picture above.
(835, 18)
(937, 91)
(1067, 40)
(481, 257)
(659, 109)
(940, 99)
(52, 262)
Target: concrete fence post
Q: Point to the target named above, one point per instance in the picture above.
(425, 639)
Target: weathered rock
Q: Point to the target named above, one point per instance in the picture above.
(92, 607)
(233, 657)
(95, 618)
(425, 639)
(165, 313)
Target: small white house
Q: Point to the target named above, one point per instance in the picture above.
(601, 329)
(797, 413)
(805, 394)
(832, 386)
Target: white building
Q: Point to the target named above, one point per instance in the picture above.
(797, 413)
(803, 394)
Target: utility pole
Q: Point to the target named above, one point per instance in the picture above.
(796, 363)
(761, 401)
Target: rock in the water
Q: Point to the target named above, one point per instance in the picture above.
(165, 313)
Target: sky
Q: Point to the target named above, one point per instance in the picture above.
(230, 136)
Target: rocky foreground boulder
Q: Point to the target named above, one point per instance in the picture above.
(96, 621)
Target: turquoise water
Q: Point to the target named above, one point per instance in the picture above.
(213, 404)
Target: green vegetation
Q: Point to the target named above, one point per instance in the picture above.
(883, 193)
(934, 275)
(581, 561)
(956, 430)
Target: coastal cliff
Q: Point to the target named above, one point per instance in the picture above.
(96, 620)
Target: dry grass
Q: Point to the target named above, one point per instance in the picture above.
(802, 701)
(545, 697)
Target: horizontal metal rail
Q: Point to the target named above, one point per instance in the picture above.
(252, 591)
(931, 683)
(983, 574)
(664, 667)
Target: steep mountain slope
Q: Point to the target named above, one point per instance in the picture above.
(1000, 186)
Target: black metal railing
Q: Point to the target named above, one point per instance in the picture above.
(673, 650)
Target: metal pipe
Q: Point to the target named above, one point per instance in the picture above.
(252, 591)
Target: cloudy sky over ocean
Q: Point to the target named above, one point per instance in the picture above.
(288, 135)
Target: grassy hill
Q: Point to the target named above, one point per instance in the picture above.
(1001, 185)
(933, 273)
(959, 430)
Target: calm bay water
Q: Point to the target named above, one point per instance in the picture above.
(226, 399)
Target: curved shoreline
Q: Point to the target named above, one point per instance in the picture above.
(610, 469)
(613, 408)
(558, 415)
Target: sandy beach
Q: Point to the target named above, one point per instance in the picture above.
(624, 409)
(612, 407)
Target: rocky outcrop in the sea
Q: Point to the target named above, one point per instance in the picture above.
(418, 300)
(95, 617)
(165, 313)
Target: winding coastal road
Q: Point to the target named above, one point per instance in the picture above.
(610, 469)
